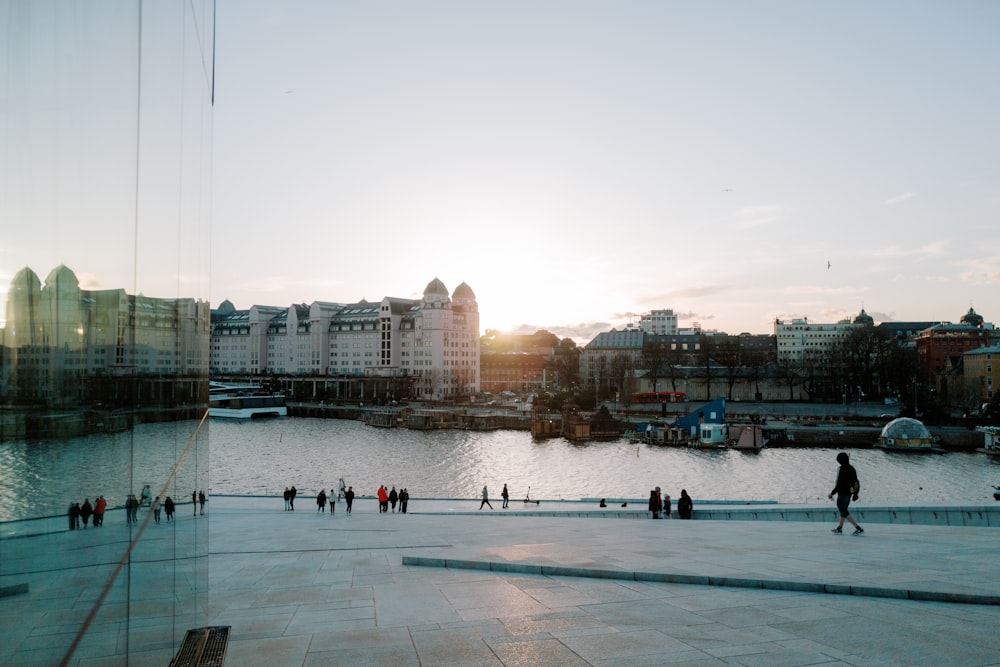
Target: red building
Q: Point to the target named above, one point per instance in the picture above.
(941, 346)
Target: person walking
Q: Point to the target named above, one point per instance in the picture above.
(383, 500)
(288, 497)
(74, 515)
(506, 497)
(156, 509)
(666, 505)
(393, 499)
(99, 508)
(404, 499)
(291, 498)
(132, 509)
(321, 501)
(201, 500)
(685, 506)
(194, 503)
(332, 499)
(168, 507)
(349, 498)
(85, 511)
(486, 499)
(655, 503)
(846, 488)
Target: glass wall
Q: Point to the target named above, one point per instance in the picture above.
(105, 183)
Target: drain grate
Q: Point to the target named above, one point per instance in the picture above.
(203, 647)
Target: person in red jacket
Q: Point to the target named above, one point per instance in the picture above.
(99, 506)
(383, 500)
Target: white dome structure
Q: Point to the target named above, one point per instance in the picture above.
(906, 434)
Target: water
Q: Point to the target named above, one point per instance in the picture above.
(263, 457)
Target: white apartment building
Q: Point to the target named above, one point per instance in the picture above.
(434, 339)
(659, 322)
(802, 340)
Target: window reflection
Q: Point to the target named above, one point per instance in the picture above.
(105, 144)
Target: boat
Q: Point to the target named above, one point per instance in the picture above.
(711, 436)
(907, 435)
(244, 401)
(751, 439)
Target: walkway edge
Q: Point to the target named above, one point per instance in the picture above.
(698, 580)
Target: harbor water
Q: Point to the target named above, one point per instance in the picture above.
(263, 457)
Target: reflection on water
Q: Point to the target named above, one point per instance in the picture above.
(42, 478)
(263, 457)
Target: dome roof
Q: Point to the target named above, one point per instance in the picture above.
(226, 307)
(973, 318)
(62, 276)
(435, 287)
(864, 318)
(905, 428)
(25, 278)
(463, 291)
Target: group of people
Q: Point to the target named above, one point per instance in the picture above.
(387, 499)
(660, 502)
(345, 492)
(79, 515)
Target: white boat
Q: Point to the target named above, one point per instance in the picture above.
(711, 436)
(244, 401)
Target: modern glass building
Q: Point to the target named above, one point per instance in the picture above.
(105, 201)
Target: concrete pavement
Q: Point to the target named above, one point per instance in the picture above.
(448, 584)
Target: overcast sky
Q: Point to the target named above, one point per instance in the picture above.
(578, 163)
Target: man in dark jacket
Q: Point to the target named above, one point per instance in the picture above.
(845, 488)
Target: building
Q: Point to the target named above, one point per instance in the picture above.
(663, 322)
(434, 340)
(60, 337)
(982, 373)
(799, 340)
(942, 346)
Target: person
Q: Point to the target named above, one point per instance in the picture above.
(666, 505)
(85, 511)
(845, 489)
(288, 496)
(654, 502)
(99, 508)
(486, 499)
(146, 496)
(131, 509)
(349, 498)
(684, 505)
(201, 500)
(506, 496)
(383, 499)
(156, 510)
(74, 515)
(604, 502)
(168, 507)
(393, 499)
(194, 503)
(321, 501)
(404, 499)
(291, 498)
(332, 499)
(341, 490)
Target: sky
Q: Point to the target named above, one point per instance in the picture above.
(579, 163)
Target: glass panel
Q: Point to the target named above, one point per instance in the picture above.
(105, 145)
